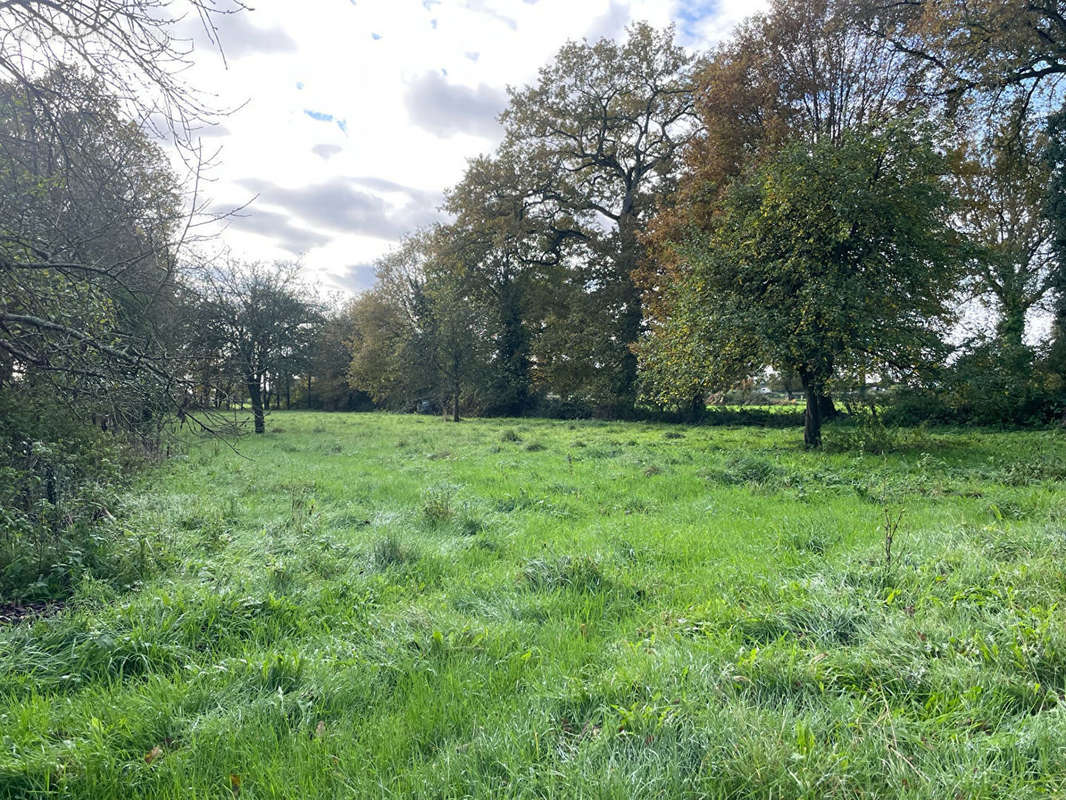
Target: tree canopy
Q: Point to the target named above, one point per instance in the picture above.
(825, 259)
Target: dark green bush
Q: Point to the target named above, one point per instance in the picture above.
(59, 483)
(991, 384)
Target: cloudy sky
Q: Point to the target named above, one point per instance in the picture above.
(355, 115)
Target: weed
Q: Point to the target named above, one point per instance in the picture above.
(282, 672)
(890, 527)
(301, 505)
(470, 524)
(437, 504)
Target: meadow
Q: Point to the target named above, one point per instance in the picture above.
(371, 605)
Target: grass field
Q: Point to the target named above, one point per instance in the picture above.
(386, 606)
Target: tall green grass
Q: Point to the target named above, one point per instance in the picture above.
(386, 606)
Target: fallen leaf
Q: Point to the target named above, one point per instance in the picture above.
(153, 754)
(320, 729)
(235, 784)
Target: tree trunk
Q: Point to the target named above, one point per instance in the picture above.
(308, 391)
(812, 418)
(1011, 327)
(256, 397)
(288, 392)
(827, 408)
(633, 315)
(698, 410)
(455, 404)
(1057, 353)
(514, 382)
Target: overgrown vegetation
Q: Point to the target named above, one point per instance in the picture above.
(379, 605)
(562, 621)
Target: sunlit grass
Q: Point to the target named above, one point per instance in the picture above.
(376, 605)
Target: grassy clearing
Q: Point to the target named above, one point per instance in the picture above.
(385, 606)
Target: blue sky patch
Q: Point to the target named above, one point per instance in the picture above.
(690, 13)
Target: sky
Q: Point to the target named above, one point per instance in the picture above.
(351, 117)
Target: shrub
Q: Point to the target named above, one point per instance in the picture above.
(59, 486)
(991, 384)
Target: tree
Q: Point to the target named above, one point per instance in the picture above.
(511, 253)
(453, 335)
(1003, 187)
(389, 357)
(256, 315)
(828, 255)
(803, 72)
(92, 221)
(1001, 58)
(806, 70)
(327, 362)
(383, 357)
(421, 334)
(89, 218)
(130, 49)
(92, 214)
(600, 133)
(1055, 157)
(978, 45)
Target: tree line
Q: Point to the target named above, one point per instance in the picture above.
(822, 195)
(819, 198)
(819, 201)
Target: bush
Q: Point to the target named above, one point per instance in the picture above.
(59, 483)
(991, 384)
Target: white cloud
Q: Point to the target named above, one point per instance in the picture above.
(349, 140)
(444, 108)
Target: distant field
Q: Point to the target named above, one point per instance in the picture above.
(388, 606)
